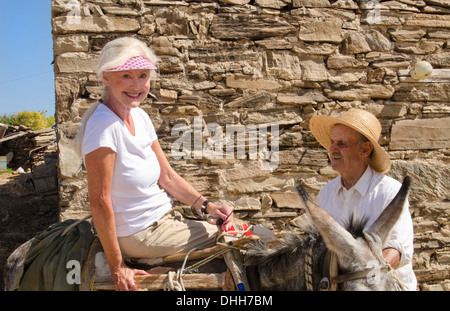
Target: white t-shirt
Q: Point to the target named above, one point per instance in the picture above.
(369, 197)
(136, 197)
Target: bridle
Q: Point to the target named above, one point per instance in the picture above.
(331, 282)
(339, 279)
(350, 276)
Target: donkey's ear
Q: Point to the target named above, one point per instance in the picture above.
(382, 227)
(335, 236)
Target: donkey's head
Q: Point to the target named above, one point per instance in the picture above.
(360, 260)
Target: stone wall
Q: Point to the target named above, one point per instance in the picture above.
(266, 67)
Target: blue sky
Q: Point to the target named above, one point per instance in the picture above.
(26, 54)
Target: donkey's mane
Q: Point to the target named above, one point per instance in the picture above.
(276, 265)
(356, 224)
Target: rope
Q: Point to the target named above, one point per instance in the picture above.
(171, 284)
(230, 247)
(394, 275)
(206, 260)
(92, 284)
(308, 265)
(177, 284)
(211, 257)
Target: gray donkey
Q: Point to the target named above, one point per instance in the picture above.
(301, 263)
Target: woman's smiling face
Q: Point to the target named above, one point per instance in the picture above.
(127, 88)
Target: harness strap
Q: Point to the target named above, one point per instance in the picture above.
(335, 278)
(69, 227)
(330, 270)
(356, 275)
(333, 270)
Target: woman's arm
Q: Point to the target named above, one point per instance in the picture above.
(180, 189)
(100, 166)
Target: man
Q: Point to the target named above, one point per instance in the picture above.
(361, 187)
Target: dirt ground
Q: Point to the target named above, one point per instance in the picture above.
(23, 214)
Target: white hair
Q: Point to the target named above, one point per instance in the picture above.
(118, 51)
(114, 54)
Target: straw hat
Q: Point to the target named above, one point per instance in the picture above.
(362, 121)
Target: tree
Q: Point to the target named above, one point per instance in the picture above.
(33, 119)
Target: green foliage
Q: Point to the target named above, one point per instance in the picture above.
(7, 171)
(33, 119)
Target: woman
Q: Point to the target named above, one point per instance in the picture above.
(126, 167)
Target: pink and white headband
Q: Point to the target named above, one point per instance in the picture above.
(137, 62)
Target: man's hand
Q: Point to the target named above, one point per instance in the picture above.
(392, 257)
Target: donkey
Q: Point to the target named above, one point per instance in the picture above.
(301, 263)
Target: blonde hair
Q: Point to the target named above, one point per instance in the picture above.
(114, 54)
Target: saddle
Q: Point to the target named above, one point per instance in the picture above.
(219, 267)
(50, 255)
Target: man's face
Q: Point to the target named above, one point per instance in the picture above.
(347, 151)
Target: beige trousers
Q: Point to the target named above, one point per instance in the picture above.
(172, 234)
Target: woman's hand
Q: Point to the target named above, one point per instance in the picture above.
(123, 278)
(223, 212)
